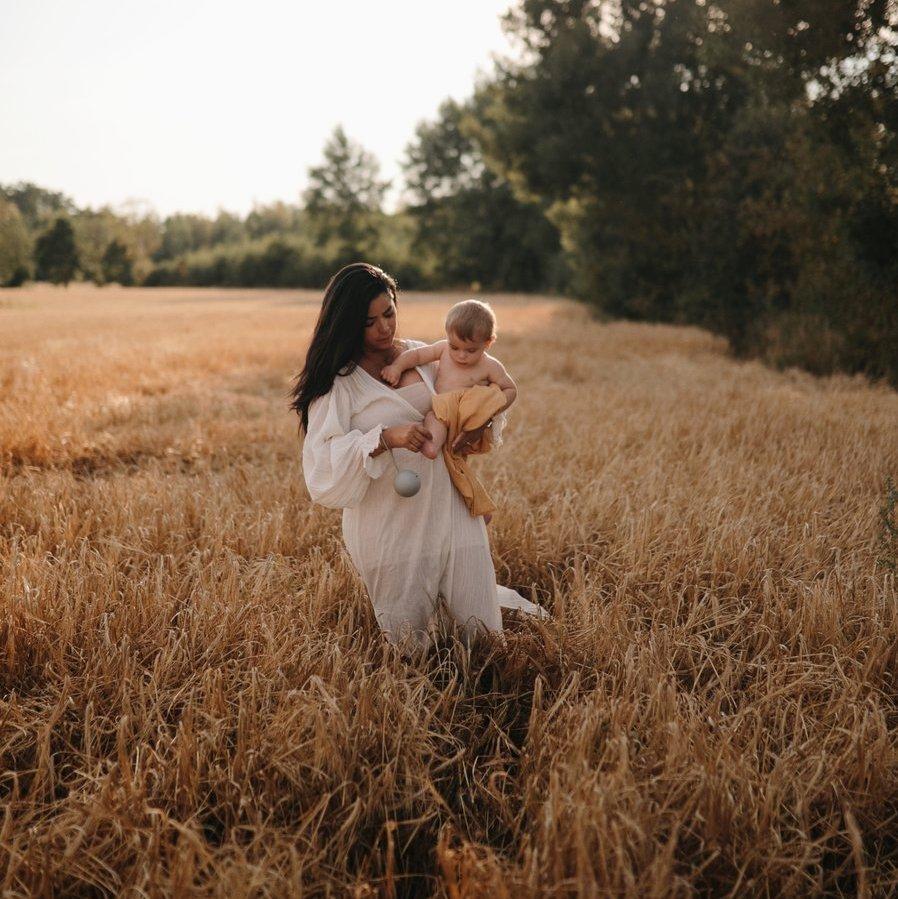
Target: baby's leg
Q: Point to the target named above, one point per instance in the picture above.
(431, 448)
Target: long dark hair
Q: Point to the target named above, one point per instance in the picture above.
(339, 332)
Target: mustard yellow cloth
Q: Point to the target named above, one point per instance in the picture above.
(465, 410)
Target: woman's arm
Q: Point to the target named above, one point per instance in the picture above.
(409, 359)
(337, 461)
(410, 437)
(465, 442)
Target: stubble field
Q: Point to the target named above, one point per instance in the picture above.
(195, 698)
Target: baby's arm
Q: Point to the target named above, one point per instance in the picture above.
(499, 376)
(409, 359)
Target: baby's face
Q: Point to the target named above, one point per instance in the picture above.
(466, 352)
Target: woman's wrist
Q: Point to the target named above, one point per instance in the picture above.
(382, 445)
(385, 442)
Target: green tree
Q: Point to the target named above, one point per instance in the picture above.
(56, 256)
(37, 205)
(727, 163)
(344, 196)
(117, 265)
(609, 120)
(183, 233)
(470, 226)
(94, 230)
(227, 229)
(799, 232)
(142, 234)
(274, 218)
(15, 246)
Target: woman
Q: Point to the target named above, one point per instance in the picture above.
(406, 550)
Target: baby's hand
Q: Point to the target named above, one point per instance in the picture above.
(391, 374)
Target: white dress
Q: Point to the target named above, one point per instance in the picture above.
(406, 550)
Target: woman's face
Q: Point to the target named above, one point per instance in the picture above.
(380, 326)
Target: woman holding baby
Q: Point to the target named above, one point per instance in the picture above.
(363, 395)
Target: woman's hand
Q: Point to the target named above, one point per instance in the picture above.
(410, 437)
(464, 444)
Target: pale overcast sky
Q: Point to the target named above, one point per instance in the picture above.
(199, 104)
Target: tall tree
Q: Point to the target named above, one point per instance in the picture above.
(227, 228)
(182, 233)
(275, 217)
(605, 121)
(15, 246)
(681, 146)
(469, 223)
(344, 195)
(56, 256)
(117, 265)
(37, 205)
(94, 229)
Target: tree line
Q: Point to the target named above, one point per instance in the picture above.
(467, 229)
(730, 164)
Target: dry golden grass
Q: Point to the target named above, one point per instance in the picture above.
(196, 700)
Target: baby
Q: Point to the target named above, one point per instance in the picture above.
(464, 363)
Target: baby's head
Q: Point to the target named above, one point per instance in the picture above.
(470, 330)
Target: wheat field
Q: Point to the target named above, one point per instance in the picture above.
(195, 699)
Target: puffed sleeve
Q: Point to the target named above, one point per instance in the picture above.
(336, 461)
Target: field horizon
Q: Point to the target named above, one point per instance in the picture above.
(195, 698)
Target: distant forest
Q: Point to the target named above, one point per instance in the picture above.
(730, 164)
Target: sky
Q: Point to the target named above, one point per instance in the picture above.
(194, 105)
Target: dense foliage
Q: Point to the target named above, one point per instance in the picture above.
(731, 164)
(468, 220)
(55, 253)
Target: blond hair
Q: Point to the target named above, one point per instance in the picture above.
(471, 320)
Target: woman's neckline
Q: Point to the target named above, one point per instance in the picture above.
(394, 390)
(405, 342)
(384, 384)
